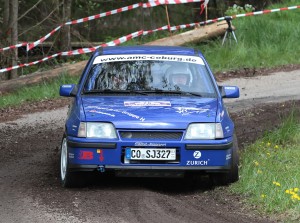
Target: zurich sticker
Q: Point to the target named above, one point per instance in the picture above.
(197, 154)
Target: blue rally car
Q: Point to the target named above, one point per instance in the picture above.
(148, 111)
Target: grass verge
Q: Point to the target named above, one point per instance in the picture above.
(269, 173)
(264, 41)
(44, 90)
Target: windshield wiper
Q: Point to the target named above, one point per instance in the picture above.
(156, 91)
(159, 91)
(193, 93)
(137, 92)
(109, 91)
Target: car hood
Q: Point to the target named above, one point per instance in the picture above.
(151, 112)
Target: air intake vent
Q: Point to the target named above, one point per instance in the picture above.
(151, 135)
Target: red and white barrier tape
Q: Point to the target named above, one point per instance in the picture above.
(78, 51)
(154, 3)
(115, 11)
(31, 45)
(87, 50)
(101, 15)
(139, 33)
(266, 11)
(13, 46)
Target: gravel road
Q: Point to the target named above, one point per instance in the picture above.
(30, 189)
(278, 87)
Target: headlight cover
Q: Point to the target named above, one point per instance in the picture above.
(204, 131)
(100, 130)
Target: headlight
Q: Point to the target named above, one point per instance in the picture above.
(204, 131)
(97, 130)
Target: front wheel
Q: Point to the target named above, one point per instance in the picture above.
(68, 179)
(222, 179)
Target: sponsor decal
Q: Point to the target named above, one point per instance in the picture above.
(71, 155)
(135, 57)
(197, 162)
(106, 111)
(100, 152)
(102, 113)
(147, 103)
(190, 110)
(229, 88)
(222, 113)
(86, 155)
(228, 156)
(197, 154)
(67, 86)
(150, 144)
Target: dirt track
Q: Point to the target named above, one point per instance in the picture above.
(30, 189)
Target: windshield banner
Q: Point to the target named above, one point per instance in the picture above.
(135, 57)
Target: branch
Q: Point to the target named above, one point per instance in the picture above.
(42, 20)
(29, 10)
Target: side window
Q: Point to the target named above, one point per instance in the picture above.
(204, 81)
(93, 78)
(85, 69)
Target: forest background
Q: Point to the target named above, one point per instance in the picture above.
(29, 20)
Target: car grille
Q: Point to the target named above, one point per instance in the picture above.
(151, 135)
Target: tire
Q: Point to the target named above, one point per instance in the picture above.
(223, 179)
(68, 179)
(234, 173)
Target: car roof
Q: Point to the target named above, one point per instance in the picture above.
(160, 50)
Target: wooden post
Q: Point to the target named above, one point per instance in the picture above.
(168, 19)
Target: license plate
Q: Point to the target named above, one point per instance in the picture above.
(150, 154)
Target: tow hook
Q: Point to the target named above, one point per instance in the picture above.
(101, 169)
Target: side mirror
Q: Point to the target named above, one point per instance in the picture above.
(229, 91)
(68, 90)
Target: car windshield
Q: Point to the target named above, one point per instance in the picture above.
(149, 76)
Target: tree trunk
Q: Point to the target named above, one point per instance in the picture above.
(3, 38)
(66, 30)
(5, 17)
(192, 36)
(13, 28)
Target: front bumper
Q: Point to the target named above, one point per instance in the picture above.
(89, 155)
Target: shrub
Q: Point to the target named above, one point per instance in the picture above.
(235, 9)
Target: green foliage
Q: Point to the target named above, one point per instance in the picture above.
(42, 91)
(269, 173)
(235, 9)
(83, 57)
(263, 41)
(288, 132)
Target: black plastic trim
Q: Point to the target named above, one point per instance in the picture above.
(100, 50)
(105, 145)
(208, 147)
(80, 167)
(166, 167)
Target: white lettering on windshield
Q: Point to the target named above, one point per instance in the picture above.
(134, 57)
